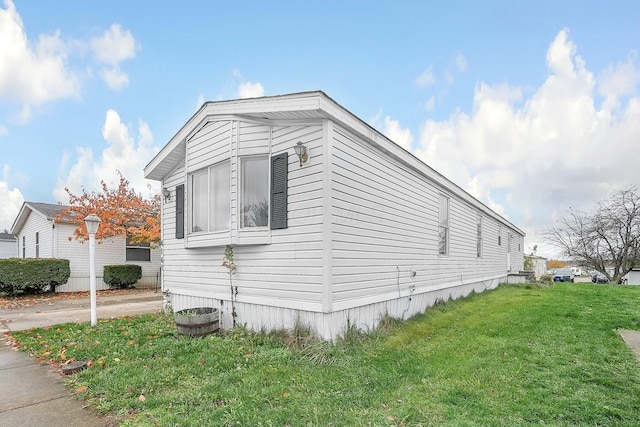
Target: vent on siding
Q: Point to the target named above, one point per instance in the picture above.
(279, 172)
(180, 211)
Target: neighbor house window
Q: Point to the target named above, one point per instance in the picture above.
(24, 246)
(479, 238)
(443, 228)
(211, 198)
(138, 251)
(499, 236)
(37, 245)
(254, 191)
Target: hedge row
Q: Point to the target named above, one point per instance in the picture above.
(122, 276)
(32, 275)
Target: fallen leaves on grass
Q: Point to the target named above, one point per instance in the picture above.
(24, 301)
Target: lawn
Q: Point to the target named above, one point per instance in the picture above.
(518, 355)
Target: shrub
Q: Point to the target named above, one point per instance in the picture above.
(546, 278)
(32, 275)
(122, 276)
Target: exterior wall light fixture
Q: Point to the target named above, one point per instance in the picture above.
(166, 193)
(301, 152)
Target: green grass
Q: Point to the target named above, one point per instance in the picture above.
(514, 356)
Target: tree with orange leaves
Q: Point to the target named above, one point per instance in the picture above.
(553, 264)
(123, 213)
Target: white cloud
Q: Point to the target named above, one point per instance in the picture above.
(535, 156)
(111, 48)
(397, 134)
(114, 77)
(11, 201)
(250, 90)
(430, 104)
(32, 74)
(461, 63)
(123, 153)
(35, 73)
(456, 66)
(425, 79)
(199, 102)
(114, 45)
(619, 82)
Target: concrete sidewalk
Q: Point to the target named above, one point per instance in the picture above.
(34, 395)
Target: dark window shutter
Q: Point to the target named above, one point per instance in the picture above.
(279, 172)
(180, 211)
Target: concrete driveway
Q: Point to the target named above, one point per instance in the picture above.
(40, 312)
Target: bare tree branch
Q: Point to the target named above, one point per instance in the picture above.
(606, 239)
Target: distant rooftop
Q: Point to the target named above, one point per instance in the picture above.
(7, 236)
(49, 210)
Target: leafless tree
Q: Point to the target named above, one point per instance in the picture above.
(606, 239)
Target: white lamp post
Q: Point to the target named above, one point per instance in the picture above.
(92, 222)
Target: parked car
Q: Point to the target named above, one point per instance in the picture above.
(598, 277)
(563, 275)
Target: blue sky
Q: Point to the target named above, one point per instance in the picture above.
(530, 106)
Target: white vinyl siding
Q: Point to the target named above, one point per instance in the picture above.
(8, 248)
(36, 236)
(109, 251)
(363, 224)
(287, 272)
(387, 223)
(56, 240)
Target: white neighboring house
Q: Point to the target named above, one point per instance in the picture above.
(358, 230)
(633, 277)
(539, 265)
(8, 246)
(41, 236)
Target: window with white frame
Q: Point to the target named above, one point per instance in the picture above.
(479, 238)
(24, 247)
(37, 244)
(443, 225)
(211, 198)
(240, 198)
(254, 191)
